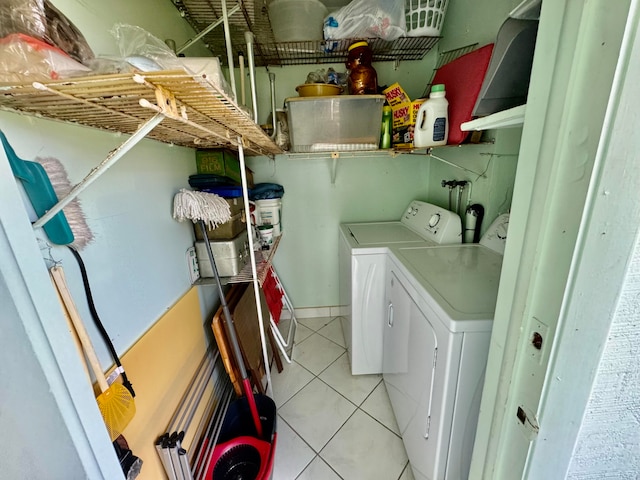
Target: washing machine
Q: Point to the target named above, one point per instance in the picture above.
(363, 249)
(440, 302)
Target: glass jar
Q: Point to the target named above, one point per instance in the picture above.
(363, 78)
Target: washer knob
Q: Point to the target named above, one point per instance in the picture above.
(433, 221)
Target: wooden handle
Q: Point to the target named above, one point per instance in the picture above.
(61, 284)
(72, 330)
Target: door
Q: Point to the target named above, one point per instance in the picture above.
(415, 365)
(576, 54)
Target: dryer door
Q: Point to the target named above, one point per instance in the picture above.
(420, 362)
(409, 367)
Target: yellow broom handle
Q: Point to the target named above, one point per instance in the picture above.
(58, 277)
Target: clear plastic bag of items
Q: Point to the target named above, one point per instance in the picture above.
(147, 53)
(383, 19)
(37, 42)
(327, 76)
(142, 50)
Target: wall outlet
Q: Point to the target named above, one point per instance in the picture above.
(192, 264)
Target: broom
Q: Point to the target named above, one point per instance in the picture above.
(57, 174)
(115, 402)
(45, 182)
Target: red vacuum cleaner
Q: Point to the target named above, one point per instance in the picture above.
(246, 444)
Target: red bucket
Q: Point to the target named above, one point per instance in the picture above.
(239, 453)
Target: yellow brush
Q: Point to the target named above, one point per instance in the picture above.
(115, 402)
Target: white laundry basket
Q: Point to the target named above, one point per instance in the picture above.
(425, 17)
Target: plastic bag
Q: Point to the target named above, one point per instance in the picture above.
(266, 191)
(39, 19)
(24, 58)
(367, 19)
(143, 50)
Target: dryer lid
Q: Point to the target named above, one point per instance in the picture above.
(463, 279)
(382, 232)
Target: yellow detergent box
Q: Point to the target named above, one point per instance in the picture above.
(404, 122)
(396, 95)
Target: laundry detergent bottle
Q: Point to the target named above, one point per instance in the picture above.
(432, 122)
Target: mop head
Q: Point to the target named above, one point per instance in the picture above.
(197, 206)
(73, 211)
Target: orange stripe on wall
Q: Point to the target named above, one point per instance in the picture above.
(160, 365)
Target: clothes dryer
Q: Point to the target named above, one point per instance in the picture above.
(440, 306)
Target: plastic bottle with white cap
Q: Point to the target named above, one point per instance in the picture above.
(432, 122)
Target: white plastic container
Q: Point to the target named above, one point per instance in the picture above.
(297, 20)
(425, 17)
(432, 122)
(270, 213)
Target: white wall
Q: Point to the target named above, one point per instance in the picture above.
(609, 439)
(376, 187)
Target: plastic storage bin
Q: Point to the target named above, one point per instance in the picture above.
(297, 20)
(334, 124)
(425, 17)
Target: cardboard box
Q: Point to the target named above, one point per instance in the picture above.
(224, 231)
(405, 116)
(219, 162)
(396, 95)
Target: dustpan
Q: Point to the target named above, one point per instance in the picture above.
(38, 187)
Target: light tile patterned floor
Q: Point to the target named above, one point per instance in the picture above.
(332, 425)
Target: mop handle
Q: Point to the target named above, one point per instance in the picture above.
(232, 336)
(225, 308)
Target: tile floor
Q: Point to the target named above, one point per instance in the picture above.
(332, 425)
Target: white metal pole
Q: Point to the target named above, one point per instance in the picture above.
(94, 174)
(227, 39)
(254, 270)
(248, 36)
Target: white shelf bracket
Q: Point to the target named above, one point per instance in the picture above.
(97, 172)
(334, 166)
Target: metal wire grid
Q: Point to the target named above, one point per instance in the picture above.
(335, 51)
(253, 16)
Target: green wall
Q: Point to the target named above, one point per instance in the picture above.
(378, 187)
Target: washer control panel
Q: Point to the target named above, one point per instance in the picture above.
(433, 223)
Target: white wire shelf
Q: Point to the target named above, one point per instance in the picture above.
(264, 258)
(197, 114)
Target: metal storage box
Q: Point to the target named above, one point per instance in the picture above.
(230, 256)
(335, 123)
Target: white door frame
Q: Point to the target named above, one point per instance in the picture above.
(31, 305)
(576, 56)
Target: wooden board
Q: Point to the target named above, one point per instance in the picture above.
(220, 334)
(245, 318)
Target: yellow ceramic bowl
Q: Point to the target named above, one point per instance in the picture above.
(318, 89)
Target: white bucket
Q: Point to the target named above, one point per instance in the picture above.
(266, 234)
(297, 20)
(270, 213)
